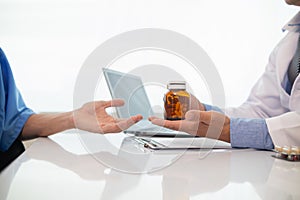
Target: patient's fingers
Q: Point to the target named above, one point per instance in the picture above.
(111, 103)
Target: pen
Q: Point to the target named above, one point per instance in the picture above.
(145, 143)
(139, 141)
(149, 142)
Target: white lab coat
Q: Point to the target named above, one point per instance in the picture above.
(268, 98)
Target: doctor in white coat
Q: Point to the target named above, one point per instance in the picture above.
(271, 114)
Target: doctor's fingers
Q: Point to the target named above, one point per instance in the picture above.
(207, 117)
(175, 125)
(193, 115)
(179, 125)
(196, 104)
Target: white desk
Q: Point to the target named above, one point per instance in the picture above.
(59, 167)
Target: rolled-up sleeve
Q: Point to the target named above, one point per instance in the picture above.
(13, 111)
(252, 133)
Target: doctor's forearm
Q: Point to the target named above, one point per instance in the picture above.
(245, 132)
(41, 125)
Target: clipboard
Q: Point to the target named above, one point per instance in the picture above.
(181, 143)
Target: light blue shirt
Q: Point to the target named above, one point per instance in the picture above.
(13, 111)
(247, 133)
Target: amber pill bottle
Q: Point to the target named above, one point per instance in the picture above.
(176, 101)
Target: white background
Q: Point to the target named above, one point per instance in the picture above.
(47, 41)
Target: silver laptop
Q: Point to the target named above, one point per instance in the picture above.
(130, 88)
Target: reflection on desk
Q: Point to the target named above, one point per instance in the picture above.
(61, 167)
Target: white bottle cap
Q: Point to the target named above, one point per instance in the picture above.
(179, 85)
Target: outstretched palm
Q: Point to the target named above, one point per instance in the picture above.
(93, 117)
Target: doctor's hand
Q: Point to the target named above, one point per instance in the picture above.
(196, 104)
(93, 117)
(209, 124)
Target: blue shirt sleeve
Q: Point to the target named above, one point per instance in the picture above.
(13, 111)
(251, 133)
(247, 133)
(210, 107)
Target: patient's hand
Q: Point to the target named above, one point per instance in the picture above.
(92, 117)
(209, 124)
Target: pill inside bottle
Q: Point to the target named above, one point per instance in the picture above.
(176, 101)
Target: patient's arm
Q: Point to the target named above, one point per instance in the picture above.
(90, 117)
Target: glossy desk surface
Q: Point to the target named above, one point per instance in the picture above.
(84, 166)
